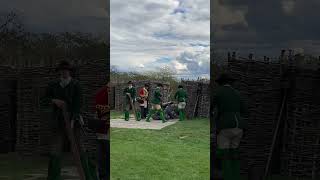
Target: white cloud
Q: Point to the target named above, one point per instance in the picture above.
(144, 31)
(179, 66)
(288, 6)
(226, 15)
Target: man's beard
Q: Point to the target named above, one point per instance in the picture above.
(65, 81)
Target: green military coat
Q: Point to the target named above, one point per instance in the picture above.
(156, 99)
(181, 95)
(71, 94)
(133, 93)
(230, 109)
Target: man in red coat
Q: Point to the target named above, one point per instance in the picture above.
(102, 131)
(143, 100)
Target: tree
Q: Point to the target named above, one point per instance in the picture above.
(18, 45)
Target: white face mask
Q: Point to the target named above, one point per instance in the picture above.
(130, 86)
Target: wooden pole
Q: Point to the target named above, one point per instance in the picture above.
(74, 146)
(133, 107)
(275, 136)
(197, 100)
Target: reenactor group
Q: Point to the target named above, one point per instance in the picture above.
(158, 107)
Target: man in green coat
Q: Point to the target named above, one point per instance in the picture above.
(128, 92)
(230, 124)
(65, 93)
(156, 104)
(181, 96)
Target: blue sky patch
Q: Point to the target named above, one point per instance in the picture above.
(164, 59)
(180, 10)
(165, 35)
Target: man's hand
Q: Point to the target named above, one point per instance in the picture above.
(72, 123)
(217, 131)
(75, 119)
(59, 103)
(81, 120)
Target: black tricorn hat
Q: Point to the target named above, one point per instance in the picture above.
(160, 85)
(64, 65)
(225, 78)
(130, 82)
(180, 86)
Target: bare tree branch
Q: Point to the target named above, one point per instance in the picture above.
(8, 19)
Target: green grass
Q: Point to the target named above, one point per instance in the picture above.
(177, 152)
(116, 115)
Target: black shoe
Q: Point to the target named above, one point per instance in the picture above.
(217, 175)
(217, 171)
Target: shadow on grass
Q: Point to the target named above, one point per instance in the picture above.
(16, 167)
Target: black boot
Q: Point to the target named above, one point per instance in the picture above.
(54, 168)
(217, 174)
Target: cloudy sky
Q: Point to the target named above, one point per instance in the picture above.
(149, 34)
(266, 26)
(60, 15)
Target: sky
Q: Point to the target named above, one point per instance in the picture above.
(146, 35)
(265, 27)
(60, 15)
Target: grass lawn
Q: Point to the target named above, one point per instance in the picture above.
(177, 152)
(116, 115)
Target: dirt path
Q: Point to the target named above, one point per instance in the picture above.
(133, 124)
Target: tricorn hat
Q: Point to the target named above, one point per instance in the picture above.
(64, 65)
(130, 82)
(225, 78)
